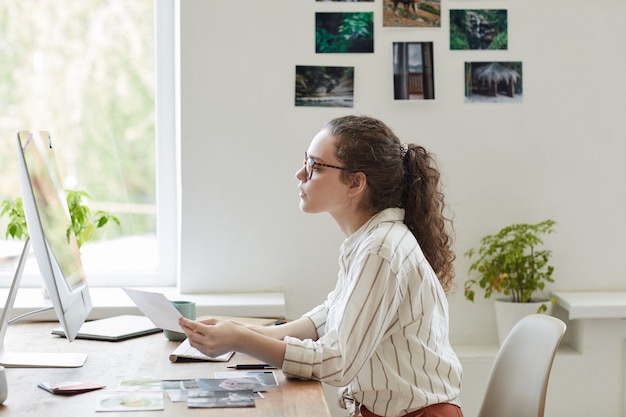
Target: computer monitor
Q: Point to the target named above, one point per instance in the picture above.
(55, 248)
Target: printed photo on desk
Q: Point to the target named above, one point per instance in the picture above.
(230, 384)
(178, 390)
(265, 378)
(124, 401)
(199, 394)
(220, 399)
(139, 385)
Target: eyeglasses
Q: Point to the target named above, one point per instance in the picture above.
(310, 163)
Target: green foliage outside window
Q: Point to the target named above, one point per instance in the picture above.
(84, 70)
(84, 223)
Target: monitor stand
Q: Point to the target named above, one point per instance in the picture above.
(28, 359)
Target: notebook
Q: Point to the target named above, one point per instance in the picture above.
(114, 329)
(185, 352)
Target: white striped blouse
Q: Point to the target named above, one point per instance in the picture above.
(383, 330)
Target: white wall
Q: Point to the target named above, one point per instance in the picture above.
(559, 154)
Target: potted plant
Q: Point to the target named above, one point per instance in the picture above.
(510, 263)
(84, 222)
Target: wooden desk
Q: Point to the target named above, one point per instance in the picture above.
(141, 358)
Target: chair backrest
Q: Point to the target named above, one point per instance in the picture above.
(519, 377)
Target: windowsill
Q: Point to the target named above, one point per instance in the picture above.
(593, 304)
(579, 305)
(113, 301)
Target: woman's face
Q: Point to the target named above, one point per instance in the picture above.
(324, 191)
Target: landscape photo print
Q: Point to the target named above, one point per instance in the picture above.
(412, 13)
(320, 86)
(493, 82)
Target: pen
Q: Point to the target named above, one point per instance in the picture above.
(252, 366)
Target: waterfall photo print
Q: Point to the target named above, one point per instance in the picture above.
(478, 29)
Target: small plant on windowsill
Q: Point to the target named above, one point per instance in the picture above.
(84, 222)
(509, 263)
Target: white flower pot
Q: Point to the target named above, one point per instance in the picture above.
(508, 313)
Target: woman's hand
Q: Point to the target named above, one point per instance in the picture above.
(213, 337)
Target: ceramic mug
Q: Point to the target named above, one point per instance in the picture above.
(188, 310)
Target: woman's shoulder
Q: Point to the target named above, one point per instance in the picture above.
(389, 238)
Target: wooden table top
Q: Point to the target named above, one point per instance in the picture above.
(145, 357)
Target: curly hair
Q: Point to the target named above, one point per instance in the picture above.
(398, 175)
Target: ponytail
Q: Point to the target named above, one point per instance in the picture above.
(424, 206)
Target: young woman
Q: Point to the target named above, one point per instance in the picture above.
(382, 333)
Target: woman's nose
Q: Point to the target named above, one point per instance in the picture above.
(300, 175)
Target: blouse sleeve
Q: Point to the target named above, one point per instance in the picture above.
(359, 316)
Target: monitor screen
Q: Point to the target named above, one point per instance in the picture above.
(48, 220)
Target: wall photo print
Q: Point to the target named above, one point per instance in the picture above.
(344, 32)
(493, 82)
(478, 29)
(412, 13)
(413, 72)
(324, 86)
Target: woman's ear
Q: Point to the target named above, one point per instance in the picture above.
(358, 184)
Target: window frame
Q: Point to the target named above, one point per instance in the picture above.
(167, 173)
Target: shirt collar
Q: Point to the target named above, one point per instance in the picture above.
(387, 215)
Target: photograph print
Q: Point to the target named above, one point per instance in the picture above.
(493, 82)
(318, 86)
(412, 13)
(478, 29)
(413, 72)
(344, 32)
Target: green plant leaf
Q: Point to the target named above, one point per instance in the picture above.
(511, 263)
(83, 223)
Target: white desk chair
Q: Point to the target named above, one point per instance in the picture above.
(519, 377)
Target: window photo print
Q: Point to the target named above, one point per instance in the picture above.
(493, 82)
(413, 72)
(344, 32)
(478, 29)
(324, 86)
(412, 13)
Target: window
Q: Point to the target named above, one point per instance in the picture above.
(97, 74)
